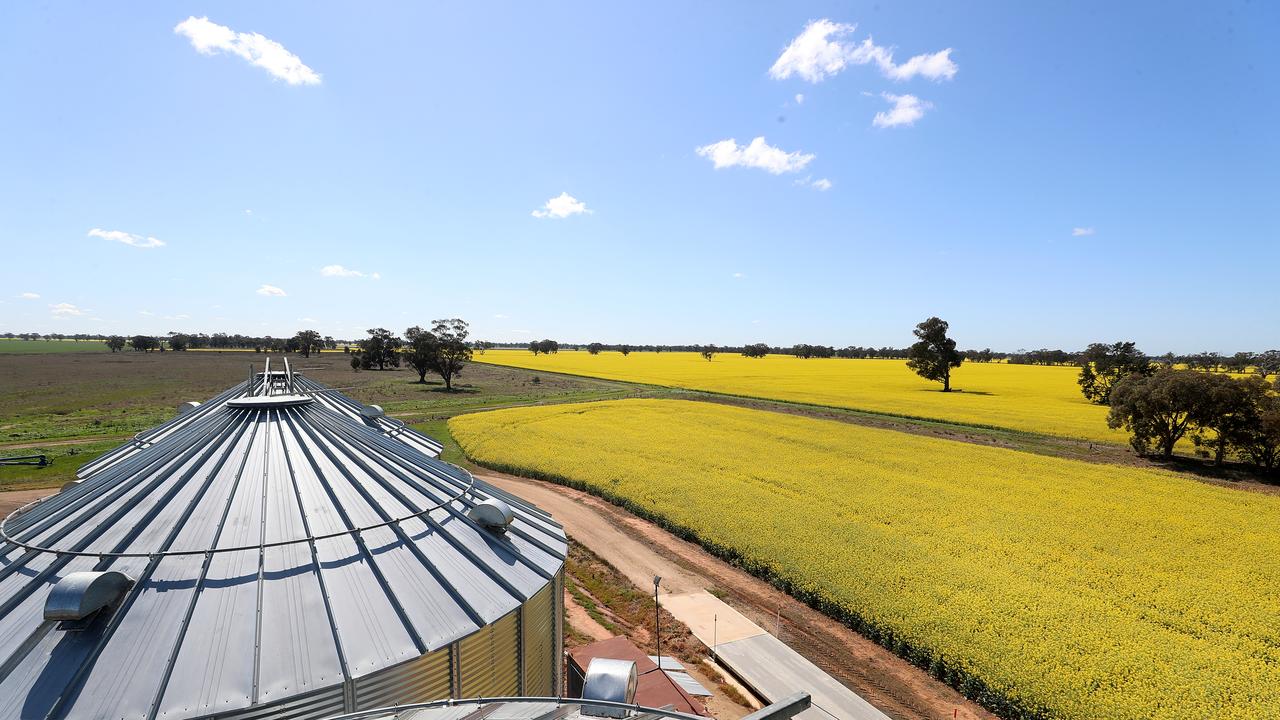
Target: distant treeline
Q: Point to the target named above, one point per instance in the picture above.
(1213, 361)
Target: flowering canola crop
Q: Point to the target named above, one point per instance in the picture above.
(1029, 398)
(1048, 587)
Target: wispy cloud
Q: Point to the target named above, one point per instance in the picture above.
(340, 271)
(209, 38)
(1083, 231)
(739, 276)
(270, 291)
(799, 98)
(561, 206)
(499, 316)
(822, 184)
(66, 310)
(179, 316)
(148, 313)
(121, 236)
(820, 51)
(29, 296)
(307, 320)
(757, 154)
(906, 110)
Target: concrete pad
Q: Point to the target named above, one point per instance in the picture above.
(710, 619)
(774, 671)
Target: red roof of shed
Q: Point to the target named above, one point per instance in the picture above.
(653, 689)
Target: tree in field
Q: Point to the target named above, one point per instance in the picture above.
(546, 347)
(756, 350)
(1259, 442)
(116, 343)
(442, 350)
(381, 348)
(625, 350)
(144, 343)
(307, 342)
(1102, 366)
(1230, 412)
(179, 342)
(1267, 363)
(1160, 408)
(595, 348)
(708, 352)
(934, 355)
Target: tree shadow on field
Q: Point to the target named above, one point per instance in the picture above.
(956, 391)
(436, 386)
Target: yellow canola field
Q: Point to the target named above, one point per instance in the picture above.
(1069, 589)
(1030, 398)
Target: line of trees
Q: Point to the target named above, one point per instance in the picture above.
(443, 350)
(1161, 403)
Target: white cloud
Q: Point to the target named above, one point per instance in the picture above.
(30, 296)
(339, 271)
(307, 320)
(822, 184)
(1083, 231)
(934, 66)
(561, 207)
(819, 52)
(499, 316)
(209, 38)
(120, 236)
(812, 54)
(758, 154)
(739, 275)
(906, 110)
(270, 291)
(799, 98)
(179, 316)
(146, 312)
(66, 310)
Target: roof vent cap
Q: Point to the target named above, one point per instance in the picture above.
(612, 680)
(493, 514)
(80, 595)
(372, 411)
(187, 407)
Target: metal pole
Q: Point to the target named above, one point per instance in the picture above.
(657, 629)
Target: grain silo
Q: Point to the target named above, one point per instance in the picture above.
(279, 551)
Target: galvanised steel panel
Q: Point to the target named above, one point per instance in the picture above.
(369, 626)
(126, 677)
(298, 650)
(322, 704)
(430, 608)
(422, 679)
(537, 640)
(489, 660)
(209, 674)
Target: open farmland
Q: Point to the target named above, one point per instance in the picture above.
(27, 347)
(1027, 398)
(1044, 586)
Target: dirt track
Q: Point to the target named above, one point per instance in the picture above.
(640, 550)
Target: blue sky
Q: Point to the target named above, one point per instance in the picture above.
(1067, 172)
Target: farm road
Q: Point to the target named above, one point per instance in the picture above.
(639, 550)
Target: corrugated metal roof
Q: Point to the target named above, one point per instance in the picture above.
(333, 399)
(276, 551)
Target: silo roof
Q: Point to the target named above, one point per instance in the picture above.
(274, 550)
(334, 399)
